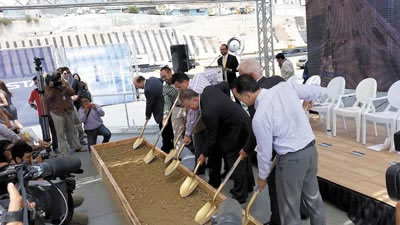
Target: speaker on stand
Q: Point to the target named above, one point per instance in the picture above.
(180, 58)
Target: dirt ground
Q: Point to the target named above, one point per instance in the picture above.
(153, 197)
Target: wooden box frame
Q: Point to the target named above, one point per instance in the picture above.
(118, 197)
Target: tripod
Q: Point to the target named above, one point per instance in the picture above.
(45, 114)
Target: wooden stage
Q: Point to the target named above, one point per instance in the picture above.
(364, 174)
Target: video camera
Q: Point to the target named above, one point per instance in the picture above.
(53, 198)
(55, 77)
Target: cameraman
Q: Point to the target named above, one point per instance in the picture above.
(58, 97)
(16, 203)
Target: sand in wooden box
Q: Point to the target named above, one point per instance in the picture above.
(153, 197)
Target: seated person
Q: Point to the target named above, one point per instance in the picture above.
(90, 115)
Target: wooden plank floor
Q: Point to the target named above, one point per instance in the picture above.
(365, 174)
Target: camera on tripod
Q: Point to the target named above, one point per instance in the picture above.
(53, 198)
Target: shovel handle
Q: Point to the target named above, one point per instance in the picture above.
(196, 168)
(162, 129)
(178, 138)
(227, 177)
(180, 150)
(251, 202)
(144, 127)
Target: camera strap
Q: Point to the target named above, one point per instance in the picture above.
(87, 115)
(9, 217)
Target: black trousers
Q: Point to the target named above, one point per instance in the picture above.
(243, 178)
(199, 142)
(54, 141)
(167, 137)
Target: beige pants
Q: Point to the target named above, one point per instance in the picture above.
(178, 119)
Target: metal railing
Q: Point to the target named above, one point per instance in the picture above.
(129, 127)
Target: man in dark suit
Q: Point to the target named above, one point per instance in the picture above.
(229, 63)
(228, 127)
(153, 91)
(198, 132)
(253, 68)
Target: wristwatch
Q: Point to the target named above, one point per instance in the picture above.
(8, 217)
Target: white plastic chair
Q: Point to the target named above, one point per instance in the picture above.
(387, 117)
(334, 90)
(365, 90)
(314, 80)
(292, 80)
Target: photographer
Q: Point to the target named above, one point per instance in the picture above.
(58, 97)
(16, 203)
(67, 77)
(90, 115)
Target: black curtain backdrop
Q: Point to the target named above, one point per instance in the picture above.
(355, 39)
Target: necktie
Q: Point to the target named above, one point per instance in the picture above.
(224, 61)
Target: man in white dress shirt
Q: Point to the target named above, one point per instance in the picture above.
(283, 126)
(287, 69)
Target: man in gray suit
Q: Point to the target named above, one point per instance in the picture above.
(153, 91)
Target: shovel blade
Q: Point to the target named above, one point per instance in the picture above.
(171, 167)
(188, 186)
(137, 143)
(149, 157)
(205, 213)
(170, 156)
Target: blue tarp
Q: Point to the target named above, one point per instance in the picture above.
(16, 70)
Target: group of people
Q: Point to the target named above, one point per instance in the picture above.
(222, 131)
(67, 104)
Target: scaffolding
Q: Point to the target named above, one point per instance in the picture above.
(265, 37)
(263, 10)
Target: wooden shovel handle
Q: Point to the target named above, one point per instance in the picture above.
(144, 127)
(196, 168)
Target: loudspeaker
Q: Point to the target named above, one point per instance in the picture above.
(180, 58)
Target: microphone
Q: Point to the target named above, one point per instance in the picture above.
(214, 60)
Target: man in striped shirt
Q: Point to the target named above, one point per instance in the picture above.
(170, 93)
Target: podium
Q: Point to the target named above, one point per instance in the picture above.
(221, 73)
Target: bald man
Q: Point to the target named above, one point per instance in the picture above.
(253, 68)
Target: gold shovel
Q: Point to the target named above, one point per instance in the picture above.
(152, 153)
(190, 183)
(172, 167)
(253, 198)
(205, 213)
(139, 140)
(173, 152)
(247, 212)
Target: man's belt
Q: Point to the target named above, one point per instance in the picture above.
(308, 145)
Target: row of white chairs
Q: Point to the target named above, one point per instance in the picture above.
(362, 110)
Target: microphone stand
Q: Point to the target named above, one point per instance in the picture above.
(214, 60)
